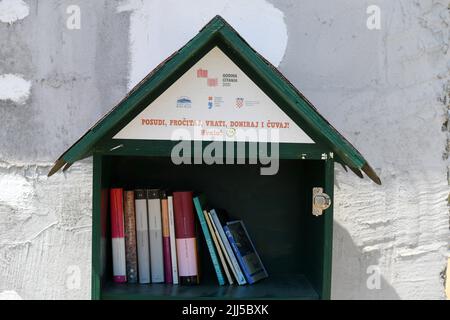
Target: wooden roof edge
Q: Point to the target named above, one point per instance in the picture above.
(349, 155)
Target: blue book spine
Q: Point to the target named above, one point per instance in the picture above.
(209, 241)
(238, 255)
(235, 265)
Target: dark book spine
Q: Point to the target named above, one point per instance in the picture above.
(130, 237)
(185, 235)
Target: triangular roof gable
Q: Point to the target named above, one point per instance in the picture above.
(219, 33)
(218, 97)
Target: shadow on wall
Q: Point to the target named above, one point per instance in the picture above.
(355, 273)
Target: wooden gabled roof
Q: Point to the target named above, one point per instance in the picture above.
(219, 33)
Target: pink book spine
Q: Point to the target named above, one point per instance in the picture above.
(185, 237)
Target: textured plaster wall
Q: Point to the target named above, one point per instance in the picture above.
(383, 90)
(76, 76)
(386, 90)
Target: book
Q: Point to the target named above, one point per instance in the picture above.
(155, 235)
(166, 238)
(143, 246)
(198, 203)
(245, 251)
(130, 237)
(186, 240)
(173, 247)
(214, 237)
(229, 254)
(118, 235)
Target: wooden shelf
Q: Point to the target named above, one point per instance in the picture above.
(275, 287)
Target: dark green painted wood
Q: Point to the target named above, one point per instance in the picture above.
(293, 286)
(318, 241)
(312, 226)
(328, 230)
(96, 228)
(163, 148)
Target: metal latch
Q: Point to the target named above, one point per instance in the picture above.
(320, 201)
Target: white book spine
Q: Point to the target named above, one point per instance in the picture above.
(156, 243)
(143, 248)
(118, 253)
(173, 247)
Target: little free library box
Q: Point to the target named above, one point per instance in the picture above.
(200, 121)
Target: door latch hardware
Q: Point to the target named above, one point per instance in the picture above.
(320, 201)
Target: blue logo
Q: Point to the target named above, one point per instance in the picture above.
(184, 102)
(210, 102)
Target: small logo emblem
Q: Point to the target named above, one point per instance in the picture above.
(239, 102)
(184, 102)
(230, 132)
(212, 82)
(210, 102)
(202, 73)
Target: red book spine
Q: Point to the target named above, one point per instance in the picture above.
(166, 238)
(185, 236)
(118, 235)
(167, 261)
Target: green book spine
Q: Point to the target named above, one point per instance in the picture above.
(209, 242)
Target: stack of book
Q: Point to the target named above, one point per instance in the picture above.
(154, 239)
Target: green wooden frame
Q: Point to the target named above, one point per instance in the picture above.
(328, 229)
(329, 146)
(325, 222)
(96, 228)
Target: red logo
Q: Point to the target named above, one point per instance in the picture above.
(212, 82)
(239, 102)
(202, 73)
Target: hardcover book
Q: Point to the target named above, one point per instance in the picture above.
(143, 246)
(245, 251)
(155, 235)
(186, 241)
(130, 237)
(232, 261)
(166, 238)
(118, 235)
(173, 247)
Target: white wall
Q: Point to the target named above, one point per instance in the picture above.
(383, 89)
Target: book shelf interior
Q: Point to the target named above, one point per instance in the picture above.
(276, 210)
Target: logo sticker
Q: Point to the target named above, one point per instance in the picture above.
(239, 102)
(231, 132)
(210, 102)
(215, 102)
(212, 82)
(202, 73)
(184, 102)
